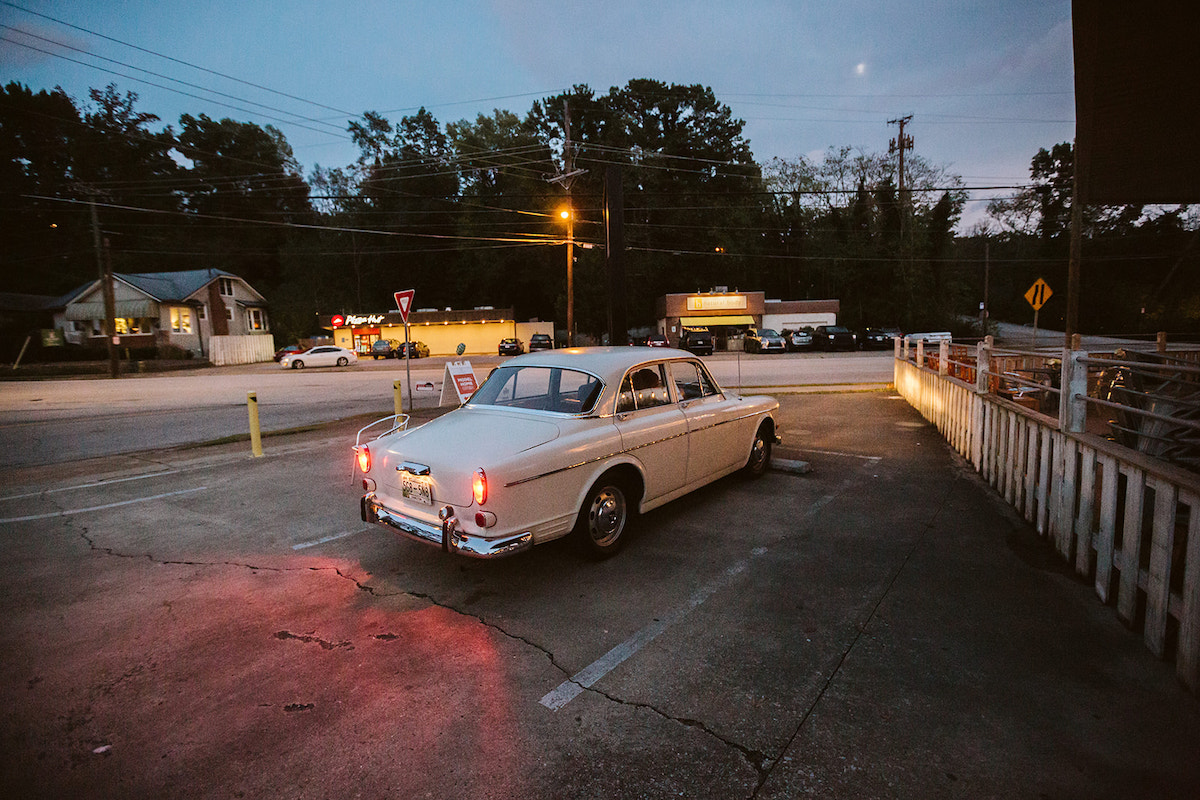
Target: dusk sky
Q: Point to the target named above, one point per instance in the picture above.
(987, 83)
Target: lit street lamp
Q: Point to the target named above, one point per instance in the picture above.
(570, 218)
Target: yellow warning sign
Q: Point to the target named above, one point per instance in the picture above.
(1038, 294)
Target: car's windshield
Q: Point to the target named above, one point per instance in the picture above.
(767, 332)
(564, 391)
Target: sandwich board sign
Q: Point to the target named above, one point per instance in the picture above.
(459, 378)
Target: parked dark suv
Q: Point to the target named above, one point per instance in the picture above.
(697, 342)
(834, 337)
(385, 348)
(540, 341)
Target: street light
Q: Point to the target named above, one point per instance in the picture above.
(569, 216)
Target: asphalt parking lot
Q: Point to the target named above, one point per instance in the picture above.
(197, 623)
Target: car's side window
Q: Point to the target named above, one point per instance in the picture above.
(691, 381)
(643, 387)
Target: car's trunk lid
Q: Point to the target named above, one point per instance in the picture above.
(453, 446)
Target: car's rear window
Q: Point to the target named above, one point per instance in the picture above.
(564, 391)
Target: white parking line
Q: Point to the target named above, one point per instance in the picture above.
(91, 485)
(569, 689)
(846, 455)
(303, 545)
(68, 512)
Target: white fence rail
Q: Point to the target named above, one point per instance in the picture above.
(1128, 523)
(226, 350)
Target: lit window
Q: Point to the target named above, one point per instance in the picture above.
(226, 286)
(256, 320)
(127, 326)
(181, 320)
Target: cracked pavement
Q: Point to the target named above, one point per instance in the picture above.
(197, 623)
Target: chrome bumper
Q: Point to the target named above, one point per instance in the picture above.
(447, 536)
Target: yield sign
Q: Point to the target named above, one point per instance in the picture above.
(404, 303)
(1038, 294)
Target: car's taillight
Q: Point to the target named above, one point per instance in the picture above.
(364, 458)
(479, 487)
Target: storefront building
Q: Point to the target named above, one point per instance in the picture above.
(478, 330)
(729, 314)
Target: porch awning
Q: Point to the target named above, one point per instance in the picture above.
(701, 322)
(129, 309)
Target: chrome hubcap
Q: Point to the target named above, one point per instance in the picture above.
(607, 515)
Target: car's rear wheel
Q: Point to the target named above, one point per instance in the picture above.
(297, 364)
(604, 517)
(343, 361)
(760, 453)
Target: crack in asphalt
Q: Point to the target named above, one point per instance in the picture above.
(308, 638)
(760, 762)
(861, 629)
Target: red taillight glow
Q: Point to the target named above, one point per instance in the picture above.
(479, 487)
(364, 458)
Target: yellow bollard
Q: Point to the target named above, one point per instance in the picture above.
(399, 396)
(255, 431)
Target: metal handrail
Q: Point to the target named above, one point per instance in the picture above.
(1187, 423)
(1011, 378)
(1142, 366)
(399, 422)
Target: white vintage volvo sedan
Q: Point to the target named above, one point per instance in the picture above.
(574, 441)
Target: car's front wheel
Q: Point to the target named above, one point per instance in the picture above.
(760, 453)
(603, 518)
(297, 364)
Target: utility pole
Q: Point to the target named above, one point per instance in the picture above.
(614, 254)
(104, 267)
(568, 176)
(1074, 256)
(900, 144)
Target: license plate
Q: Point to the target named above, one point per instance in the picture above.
(416, 489)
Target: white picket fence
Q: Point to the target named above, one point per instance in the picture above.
(226, 350)
(1128, 523)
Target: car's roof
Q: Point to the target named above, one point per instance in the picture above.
(609, 363)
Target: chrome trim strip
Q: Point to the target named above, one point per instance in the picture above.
(412, 468)
(623, 452)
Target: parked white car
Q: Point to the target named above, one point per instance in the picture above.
(575, 441)
(323, 356)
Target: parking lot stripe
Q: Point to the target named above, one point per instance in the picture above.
(91, 485)
(569, 689)
(325, 539)
(69, 512)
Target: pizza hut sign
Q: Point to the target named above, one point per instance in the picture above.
(339, 321)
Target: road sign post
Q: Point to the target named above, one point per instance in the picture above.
(1037, 296)
(404, 303)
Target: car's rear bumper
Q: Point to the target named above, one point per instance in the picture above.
(448, 535)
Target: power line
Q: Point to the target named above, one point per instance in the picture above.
(176, 60)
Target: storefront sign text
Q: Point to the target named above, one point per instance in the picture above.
(364, 319)
(719, 302)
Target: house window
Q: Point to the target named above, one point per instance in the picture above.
(127, 326)
(256, 320)
(226, 286)
(229, 313)
(202, 312)
(181, 320)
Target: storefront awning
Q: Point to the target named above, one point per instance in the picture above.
(127, 309)
(704, 322)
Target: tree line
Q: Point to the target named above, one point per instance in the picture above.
(466, 213)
